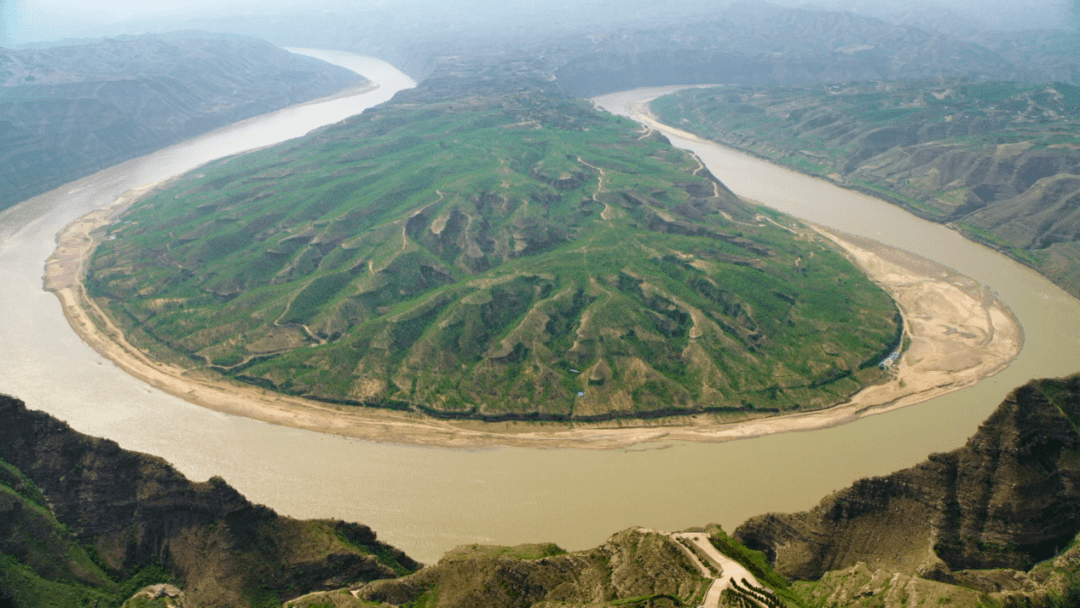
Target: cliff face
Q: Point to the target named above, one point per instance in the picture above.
(132, 510)
(66, 112)
(1007, 499)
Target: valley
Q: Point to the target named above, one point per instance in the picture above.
(562, 496)
(963, 307)
(988, 524)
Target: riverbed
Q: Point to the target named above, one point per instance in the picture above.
(427, 500)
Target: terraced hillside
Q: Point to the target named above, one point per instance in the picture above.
(506, 255)
(997, 160)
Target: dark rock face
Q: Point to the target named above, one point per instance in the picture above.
(135, 510)
(66, 112)
(1007, 499)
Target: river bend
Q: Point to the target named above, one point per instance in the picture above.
(428, 500)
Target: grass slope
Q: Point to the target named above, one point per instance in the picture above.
(997, 160)
(510, 255)
(42, 563)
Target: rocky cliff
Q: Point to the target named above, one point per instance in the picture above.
(109, 514)
(1007, 499)
(68, 111)
(993, 522)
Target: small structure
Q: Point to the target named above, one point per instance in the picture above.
(890, 361)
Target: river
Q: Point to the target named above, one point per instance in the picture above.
(428, 500)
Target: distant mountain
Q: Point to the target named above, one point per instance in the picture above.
(761, 43)
(599, 46)
(68, 111)
(493, 250)
(1050, 54)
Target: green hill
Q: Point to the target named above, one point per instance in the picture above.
(505, 255)
(85, 523)
(69, 111)
(998, 161)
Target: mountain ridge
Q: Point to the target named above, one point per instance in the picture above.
(997, 161)
(68, 111)
(130, 512)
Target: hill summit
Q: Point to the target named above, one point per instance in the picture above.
(503, 253)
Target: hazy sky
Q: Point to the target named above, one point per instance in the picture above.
(23, 21)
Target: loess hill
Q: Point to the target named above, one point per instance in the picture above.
(69, 111)
(509, 254)
(998, 161)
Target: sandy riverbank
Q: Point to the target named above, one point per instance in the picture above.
(959, 333)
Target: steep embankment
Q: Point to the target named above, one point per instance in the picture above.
(505, 254)
(68, 111)
(996, 160)
(87, 521)
(83, 518)
(982, 515)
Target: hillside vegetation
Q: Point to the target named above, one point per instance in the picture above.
(993, 523)
(68, 111)
(85, 523)
(635, 568)
(998, 161)
(507, 255)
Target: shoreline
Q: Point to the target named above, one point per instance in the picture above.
(959, 333)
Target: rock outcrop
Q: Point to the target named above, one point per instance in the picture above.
(1007, 499)
(132, 511)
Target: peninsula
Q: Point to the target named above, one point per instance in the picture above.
(526, 278)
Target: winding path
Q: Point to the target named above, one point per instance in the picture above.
(722, 568)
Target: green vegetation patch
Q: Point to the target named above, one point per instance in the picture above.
(997, 159)
(42, 564)
(498, 256)
(757, 563)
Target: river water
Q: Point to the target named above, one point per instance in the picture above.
(428, 500)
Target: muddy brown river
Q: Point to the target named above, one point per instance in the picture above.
(428, 500)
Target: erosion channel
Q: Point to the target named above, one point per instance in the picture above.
(427, 500)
